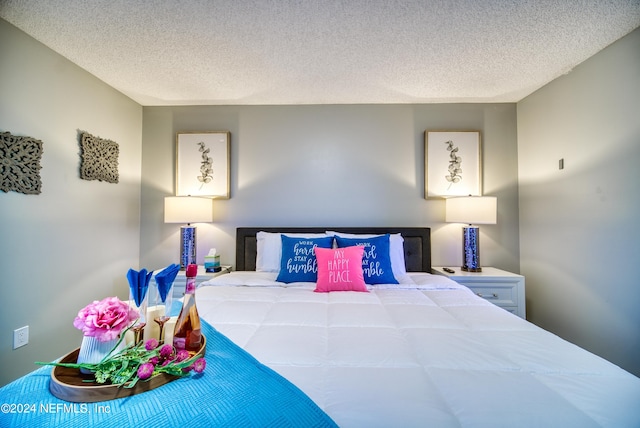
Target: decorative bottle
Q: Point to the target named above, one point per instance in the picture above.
(187, 334)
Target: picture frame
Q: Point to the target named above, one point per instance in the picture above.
(202, 164)
(452, 164)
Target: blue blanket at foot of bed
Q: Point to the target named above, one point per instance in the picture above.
(234, 391)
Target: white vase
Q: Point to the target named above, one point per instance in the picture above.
(93, 351)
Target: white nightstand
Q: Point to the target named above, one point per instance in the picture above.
(180, 282)
(502, 288)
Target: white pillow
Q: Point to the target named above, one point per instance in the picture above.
(269, 249)
(396, 250)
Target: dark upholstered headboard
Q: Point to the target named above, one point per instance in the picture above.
(417, 243)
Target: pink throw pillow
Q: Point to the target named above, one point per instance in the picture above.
(340, 269)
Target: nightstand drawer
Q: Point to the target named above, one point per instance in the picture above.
(502, 288)
(501, 295)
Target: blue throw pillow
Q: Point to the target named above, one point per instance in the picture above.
(376, 262)
(298, 262)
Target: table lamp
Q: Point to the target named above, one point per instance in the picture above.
(471, 210)
(187, 209)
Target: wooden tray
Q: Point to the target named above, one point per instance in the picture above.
(71, 385)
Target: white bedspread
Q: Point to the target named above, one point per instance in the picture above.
(430, 354)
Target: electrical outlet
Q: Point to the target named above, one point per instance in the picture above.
(20, 337)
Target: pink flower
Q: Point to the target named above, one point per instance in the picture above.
(145, 371)
(166, 351)
(105, 319)
(183, 354)
(154, 360)
(151, 344)
(199, 365)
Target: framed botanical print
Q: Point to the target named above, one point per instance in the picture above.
(452, 164)
(202, 164)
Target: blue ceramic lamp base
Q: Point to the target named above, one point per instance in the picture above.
(471, 249)
(187, 246)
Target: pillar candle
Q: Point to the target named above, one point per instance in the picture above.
(129, 337)
(152, 329)
(168, 330)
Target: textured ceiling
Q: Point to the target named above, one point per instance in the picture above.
(216, 52)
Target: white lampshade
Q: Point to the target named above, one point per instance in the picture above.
(187, 209)
(471, 210)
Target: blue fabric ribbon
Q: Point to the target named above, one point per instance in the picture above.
(139, 284)
(165, 279)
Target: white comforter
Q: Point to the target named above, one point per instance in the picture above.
(429, 354)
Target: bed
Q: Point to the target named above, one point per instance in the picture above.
(423, 352)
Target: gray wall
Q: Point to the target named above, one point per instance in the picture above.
(579, 231)
(340, 165)
(74, 242)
